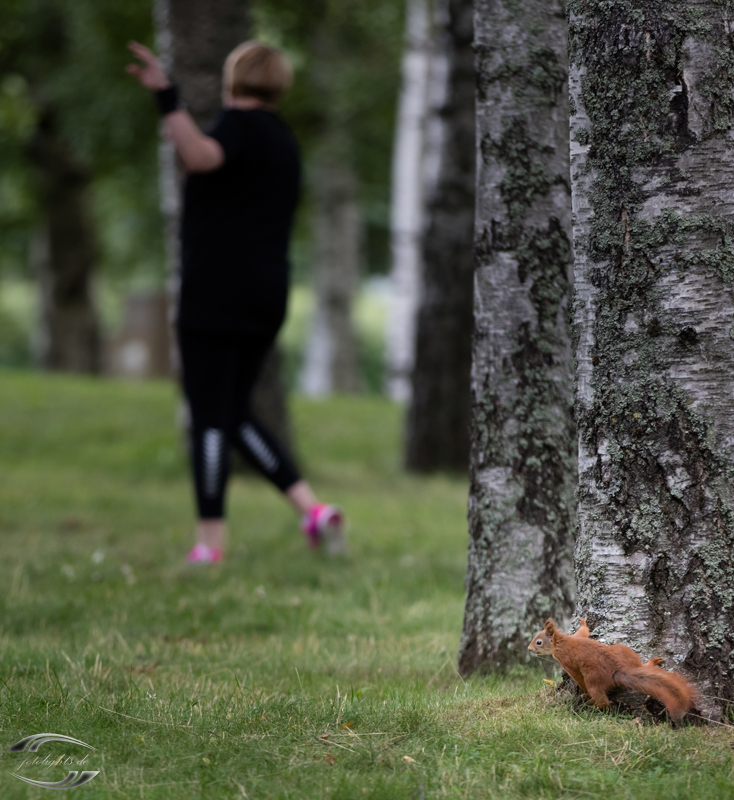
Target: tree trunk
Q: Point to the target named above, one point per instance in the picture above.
(330, 363)
(194, 39)
(70, 336)
(438, 419)
(522, 463)
(197, 38)
(407, 200)
(653, 181)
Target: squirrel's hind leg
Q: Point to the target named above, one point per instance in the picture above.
(597, 694)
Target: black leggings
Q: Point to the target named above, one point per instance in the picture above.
(219, 374)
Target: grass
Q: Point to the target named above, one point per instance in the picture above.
(280, 674)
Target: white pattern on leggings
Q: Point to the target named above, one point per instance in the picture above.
(213, 447)
(259, 448)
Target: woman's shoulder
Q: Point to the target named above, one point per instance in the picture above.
(262, 115)
(242, 131)
(266, 123)
(253, 119)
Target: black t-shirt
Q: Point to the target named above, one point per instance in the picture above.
(236, 225)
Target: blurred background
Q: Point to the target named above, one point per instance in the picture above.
(88, 195)
(63, 73)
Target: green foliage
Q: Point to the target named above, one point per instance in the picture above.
(281, 673)
(17, 206)
(69, 55)
(14, 342)
(17, 312)
(67, 58)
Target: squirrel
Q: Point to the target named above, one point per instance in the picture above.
(598, 668)
(625, 654)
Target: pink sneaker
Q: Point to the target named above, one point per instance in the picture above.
(325, 524)
(201, 554)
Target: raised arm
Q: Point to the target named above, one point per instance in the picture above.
(199, 153)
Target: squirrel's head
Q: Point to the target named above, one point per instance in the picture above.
(542, 643)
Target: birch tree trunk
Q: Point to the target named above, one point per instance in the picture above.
(330, 363)
(407, 200)
(70, 335)
(522, 463)
(438, 418)
(194, 38)
(653, 197)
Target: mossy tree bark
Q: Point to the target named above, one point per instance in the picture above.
(437, 435)
(653, 179)
(194, 39)
(522, 463)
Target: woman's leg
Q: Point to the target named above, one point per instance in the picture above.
(301, 496)
(263, 450)
(253, 439)
(212, 533)
(209, 364)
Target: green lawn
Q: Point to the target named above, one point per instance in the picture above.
(281, 674)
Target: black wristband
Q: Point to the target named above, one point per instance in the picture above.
(168, 100)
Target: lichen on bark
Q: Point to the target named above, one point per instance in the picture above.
(521, 504)
(653, 171)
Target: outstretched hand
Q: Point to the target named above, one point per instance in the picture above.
(151, 74)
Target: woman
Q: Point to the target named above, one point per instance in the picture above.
(240, 196)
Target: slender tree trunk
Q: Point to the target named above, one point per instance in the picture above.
(407, 200)
(653, 196)
(194, 38)
(70, 336)
(523, 471)
(331, 353)
(438, 419)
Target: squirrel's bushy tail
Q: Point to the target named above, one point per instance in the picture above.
(668, 687)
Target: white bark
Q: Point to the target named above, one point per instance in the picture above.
(407, 199)
(653, 205)
(433, 156)
(330, 362)
(523, 443)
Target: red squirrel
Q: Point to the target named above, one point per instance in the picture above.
(598, 668)
(625, 654)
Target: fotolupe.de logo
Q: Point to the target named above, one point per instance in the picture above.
(31, 744)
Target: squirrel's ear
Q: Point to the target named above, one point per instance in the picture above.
(550, 626)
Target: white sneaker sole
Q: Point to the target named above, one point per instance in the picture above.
(335, 542)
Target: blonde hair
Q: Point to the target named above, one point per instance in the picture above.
(257, 70)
